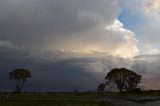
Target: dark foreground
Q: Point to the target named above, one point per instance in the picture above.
(135, 100)
(53, 99)
(80, 99)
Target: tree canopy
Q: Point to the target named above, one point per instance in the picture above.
(123, 78)
(101, 87)
(20, 76)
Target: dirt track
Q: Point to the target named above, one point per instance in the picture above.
(135, 100)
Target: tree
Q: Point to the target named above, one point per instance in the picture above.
(20, 76)
(123, 78)
(133, 80)
(101, 87)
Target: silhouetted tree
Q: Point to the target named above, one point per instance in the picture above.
(20, 76)
(123, 78)
(101, 88)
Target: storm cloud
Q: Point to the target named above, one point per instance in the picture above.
(70, 73)
(67, 44)
(50, 74)
(71, 25)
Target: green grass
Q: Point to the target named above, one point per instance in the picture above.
(52, 99)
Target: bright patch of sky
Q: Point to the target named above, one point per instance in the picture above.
(131, 15)
(131, 20)
(141, 17)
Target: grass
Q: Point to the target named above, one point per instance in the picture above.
(52, 99)
(64, 99)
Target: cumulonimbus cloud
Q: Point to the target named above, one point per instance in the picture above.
(66, 25)
(78, 38)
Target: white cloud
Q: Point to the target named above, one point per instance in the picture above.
(146, 23)
(152, 6)
(70, 25)
(128, 48)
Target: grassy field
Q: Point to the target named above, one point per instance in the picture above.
(52, 99)
(65, 99)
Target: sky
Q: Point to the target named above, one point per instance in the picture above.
(72, 44)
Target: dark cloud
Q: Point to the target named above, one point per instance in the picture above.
(65, 24)
(50, 74)
(32, 22)
(69, 72)
(59, 75)
(147, 56)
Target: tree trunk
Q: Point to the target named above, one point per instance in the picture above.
(19, 86)
(120, 88)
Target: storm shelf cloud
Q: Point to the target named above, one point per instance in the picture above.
(71, 44)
